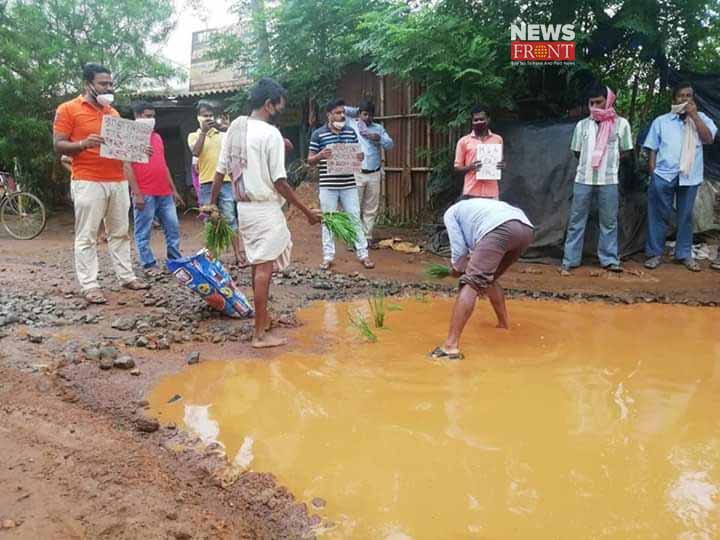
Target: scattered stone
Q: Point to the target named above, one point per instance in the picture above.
(8, 524)
(124, 362)
(109, 352)
(193, 358)
(163, 344)
(147, 425)
(34, 337)
(317, 502)
(106, 363)
(123, 323)
(182, 535)
(176, 397)
(142, 341)
(172, 516)
(135, 372)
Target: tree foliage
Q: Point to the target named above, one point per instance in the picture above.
(43, 45)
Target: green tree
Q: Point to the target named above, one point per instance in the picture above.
(43, 45)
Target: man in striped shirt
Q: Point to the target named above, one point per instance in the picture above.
(597, 142)
(336, 189)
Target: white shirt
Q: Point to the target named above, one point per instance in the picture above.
(468, 221)
(265, 159)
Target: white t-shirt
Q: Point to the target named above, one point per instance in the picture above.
(265, 159)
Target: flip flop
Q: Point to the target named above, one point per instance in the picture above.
(326, 265)
(136, 285)
(94, 296)
(441, 354)
(716, 264)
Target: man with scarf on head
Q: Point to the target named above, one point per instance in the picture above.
(466, 162)
(675, 164)
(597, 142)
(99, 189)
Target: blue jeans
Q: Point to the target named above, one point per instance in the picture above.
(661, 194)
(348, 198)
(583, 194)
(162, 208)
(225, 202)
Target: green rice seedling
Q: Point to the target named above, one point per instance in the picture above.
(342, 226)
(437, 271)
(218, 233)
(377, 309)
(360, 323)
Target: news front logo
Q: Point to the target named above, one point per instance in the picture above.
(542, 44)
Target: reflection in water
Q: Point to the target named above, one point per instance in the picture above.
(197, 420)
(585, 421)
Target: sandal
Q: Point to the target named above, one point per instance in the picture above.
(326, 265)
(440, 353)
(716, 264)
(136, 285)
(94, 296)
(153, 272)
(367, 263)
(613, 268)
(653, 262)
(691, 264)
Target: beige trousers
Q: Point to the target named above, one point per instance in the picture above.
(93, 202)
(369, 186)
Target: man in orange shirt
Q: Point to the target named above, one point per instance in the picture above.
(99, 189)
(466, 162)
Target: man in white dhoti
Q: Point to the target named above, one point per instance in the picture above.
(253, 153)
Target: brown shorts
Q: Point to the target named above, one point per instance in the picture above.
(494, 254)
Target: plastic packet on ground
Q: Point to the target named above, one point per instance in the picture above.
(208, 277)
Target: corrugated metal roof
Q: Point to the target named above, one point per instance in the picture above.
(183, 93)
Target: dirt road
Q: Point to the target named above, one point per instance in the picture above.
(78, 456)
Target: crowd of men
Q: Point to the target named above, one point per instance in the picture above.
(240, 168)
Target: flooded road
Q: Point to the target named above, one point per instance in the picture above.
(584, 421)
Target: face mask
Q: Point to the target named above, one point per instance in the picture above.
(339, 125)
(105, 99)
(149, 121)
(479, 126)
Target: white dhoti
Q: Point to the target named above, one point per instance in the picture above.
(265, 234)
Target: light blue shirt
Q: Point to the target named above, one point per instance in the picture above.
(666, 137)
(468, 221)
(373, 156)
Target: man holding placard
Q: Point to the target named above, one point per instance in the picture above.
(335, 149)
(479, 157)
(99, 189)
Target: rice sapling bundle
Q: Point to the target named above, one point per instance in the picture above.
(342, 226)
(437, 271)
(377, 309)
(218, 233)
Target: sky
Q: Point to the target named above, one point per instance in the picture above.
(216, 13)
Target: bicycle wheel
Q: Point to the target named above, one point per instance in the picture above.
(23, 215)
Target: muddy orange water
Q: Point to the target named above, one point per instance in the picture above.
(584, 421)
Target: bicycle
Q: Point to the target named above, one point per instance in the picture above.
(22, 214)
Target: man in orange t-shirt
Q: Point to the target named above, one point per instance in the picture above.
(466, 162)
(99, 189)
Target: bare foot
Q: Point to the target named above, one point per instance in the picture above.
(503, 325)
(266, 341)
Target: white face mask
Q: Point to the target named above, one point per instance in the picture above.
(338, 125)
(148, 121)
(105, 99)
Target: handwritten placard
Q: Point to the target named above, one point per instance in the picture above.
(124, 139)
(344, 158)
(489, 155)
